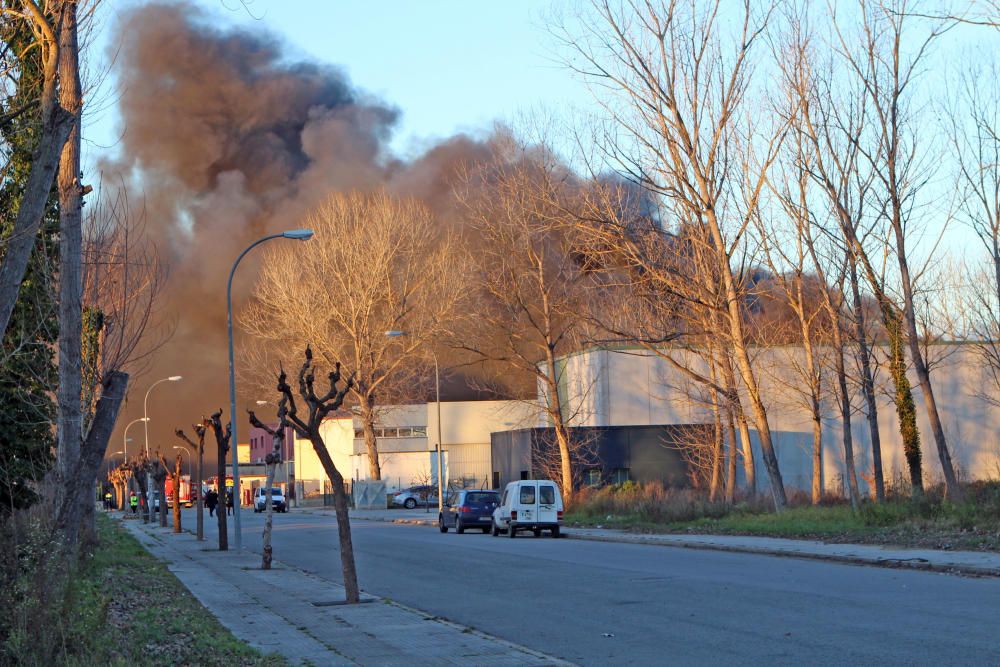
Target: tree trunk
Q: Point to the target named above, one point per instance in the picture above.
(177, 495)
(745, 367)
(79, 487)
(749, 467)
(70, 388)
(555, 412)
(265, 563)
(199, 500)
(221, 512)
(353, 593)
(371, 442)
(55, 124)
(845, 416)
(716, 475)
(731, 468)
(867, 382)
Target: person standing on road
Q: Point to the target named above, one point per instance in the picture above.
(229, 503)
(211, 501)
(107, 500)
(134, 503)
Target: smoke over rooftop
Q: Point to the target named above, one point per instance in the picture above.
(227, 139)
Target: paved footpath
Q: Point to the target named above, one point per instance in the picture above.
(300, 616)
(975, 563)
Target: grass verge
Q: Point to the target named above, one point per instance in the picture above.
(126, 608)
(931, 523)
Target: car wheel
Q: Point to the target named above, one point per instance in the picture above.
(537, 532)
(485, 530)
(555, 532)
(410, 503)
(495, 530)
(443, 528)
(459, 528)
(511, 533)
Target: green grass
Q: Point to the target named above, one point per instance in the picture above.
(931, 523)
(126, 608)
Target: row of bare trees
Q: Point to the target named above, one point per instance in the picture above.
(760, 173)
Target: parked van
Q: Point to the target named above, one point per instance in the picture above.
(529, 504)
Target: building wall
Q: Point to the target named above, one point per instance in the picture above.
(635, 387)
(465, 428)
(310, 475)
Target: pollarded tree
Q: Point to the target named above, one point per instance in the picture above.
(315, 408)
(222, 437)
(376, 264)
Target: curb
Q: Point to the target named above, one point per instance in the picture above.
(890, 563)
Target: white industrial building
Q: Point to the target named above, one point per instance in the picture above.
(407, 436)
(619, 387)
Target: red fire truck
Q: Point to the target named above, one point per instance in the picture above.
(185, 491)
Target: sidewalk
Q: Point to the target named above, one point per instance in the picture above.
(301, 616)
(975, 563)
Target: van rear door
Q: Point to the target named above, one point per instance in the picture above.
(527, 502)
(548, 503)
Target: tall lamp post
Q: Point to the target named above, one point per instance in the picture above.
(234, 442)
(145, 402)
(437, 397)
(125, 437)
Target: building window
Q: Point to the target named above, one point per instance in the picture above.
(593, 477)
(619, 475)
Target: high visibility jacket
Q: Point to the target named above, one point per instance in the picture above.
(134, 501)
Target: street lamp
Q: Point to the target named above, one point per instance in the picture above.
(234, 442)
(145, 401)
(125, 437)
(437, 397)
(189, 456)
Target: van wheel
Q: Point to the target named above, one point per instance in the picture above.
(459, 528)
(495, 530)
(485, 530)
(443, 528)
(555, 532)
(537, 532)
(510, 531)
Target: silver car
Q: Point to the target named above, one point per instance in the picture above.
(423, 495)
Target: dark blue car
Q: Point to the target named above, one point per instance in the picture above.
(468, 509)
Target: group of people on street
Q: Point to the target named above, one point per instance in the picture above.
(212, 501)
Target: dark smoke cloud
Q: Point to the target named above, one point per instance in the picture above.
(227, 140)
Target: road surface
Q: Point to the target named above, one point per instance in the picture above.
(599, 603)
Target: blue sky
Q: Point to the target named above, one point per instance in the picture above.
(449, 66)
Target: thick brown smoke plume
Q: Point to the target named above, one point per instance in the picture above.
(227, 140)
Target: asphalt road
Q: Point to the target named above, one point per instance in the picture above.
(599, 603)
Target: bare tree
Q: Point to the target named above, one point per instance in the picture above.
(175, 491)
(974, 133)
(530, 286)
(833, 114)
(889, 73)
(199, 482)
(316, 407)
(376, 264)
(272, 460)
(222, 438)
(681, 128)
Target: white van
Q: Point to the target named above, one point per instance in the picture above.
(529, 504)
